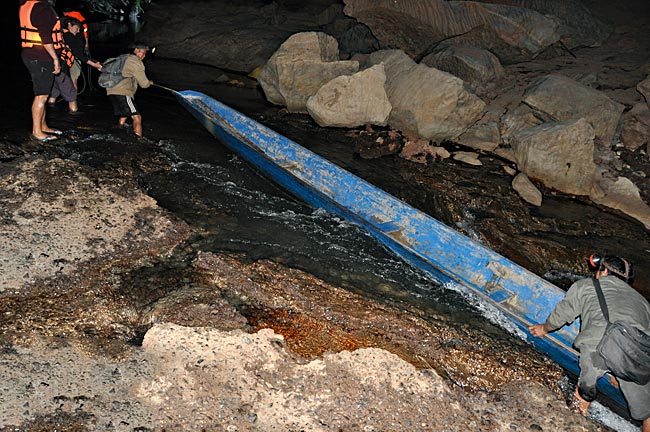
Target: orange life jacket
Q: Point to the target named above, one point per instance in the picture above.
(67, 56)
(29, 36)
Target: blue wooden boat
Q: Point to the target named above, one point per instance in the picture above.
(449, 256)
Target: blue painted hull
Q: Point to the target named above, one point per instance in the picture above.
(418, 238)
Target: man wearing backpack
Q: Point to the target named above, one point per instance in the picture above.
(624, 304)
(121, 95)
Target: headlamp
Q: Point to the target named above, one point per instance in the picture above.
(594, 261)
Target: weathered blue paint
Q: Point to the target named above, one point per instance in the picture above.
(420, 239)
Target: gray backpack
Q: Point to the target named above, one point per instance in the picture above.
(626, 349)
(112, 71)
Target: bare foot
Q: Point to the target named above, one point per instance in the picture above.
(579, 405)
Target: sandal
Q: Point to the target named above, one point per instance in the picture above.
(54, 132)
(46, 138)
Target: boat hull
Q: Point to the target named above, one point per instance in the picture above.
(447, 255)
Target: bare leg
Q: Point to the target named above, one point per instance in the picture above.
(38, 117)
(121, 122)
(72, 106)
(137, 124)
(646, 425)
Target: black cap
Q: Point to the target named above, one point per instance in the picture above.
(139, 45)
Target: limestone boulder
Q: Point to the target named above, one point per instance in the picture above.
(351, 101)
(300, 67)
(527, 190)
(560, 155)
(558, 98)
(427, 102)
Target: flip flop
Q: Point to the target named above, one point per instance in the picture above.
(54, 132)
(46, 139)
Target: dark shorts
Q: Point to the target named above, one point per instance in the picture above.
(123, 106)
(42, 76)
(64, 87)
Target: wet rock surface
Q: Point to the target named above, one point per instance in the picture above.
(143, 332)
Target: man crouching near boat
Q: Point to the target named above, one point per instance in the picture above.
(625, 304)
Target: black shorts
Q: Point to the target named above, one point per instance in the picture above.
(123, 106)
(42, 75)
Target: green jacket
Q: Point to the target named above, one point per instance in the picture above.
(134, 77)
(623, 302)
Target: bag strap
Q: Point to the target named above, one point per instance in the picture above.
(601, 298)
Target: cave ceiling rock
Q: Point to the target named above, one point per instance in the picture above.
(427, 102)
(578, 26)
(237, 36)
(300, 67)
(512, 33)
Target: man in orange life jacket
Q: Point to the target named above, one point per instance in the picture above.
(41, 36)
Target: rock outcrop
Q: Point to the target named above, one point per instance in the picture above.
(300, 67)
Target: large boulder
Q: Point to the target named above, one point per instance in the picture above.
(351, 101)
(558, 98)
(300, 67)
(560, 155)
(512, 33)
(427, 102)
